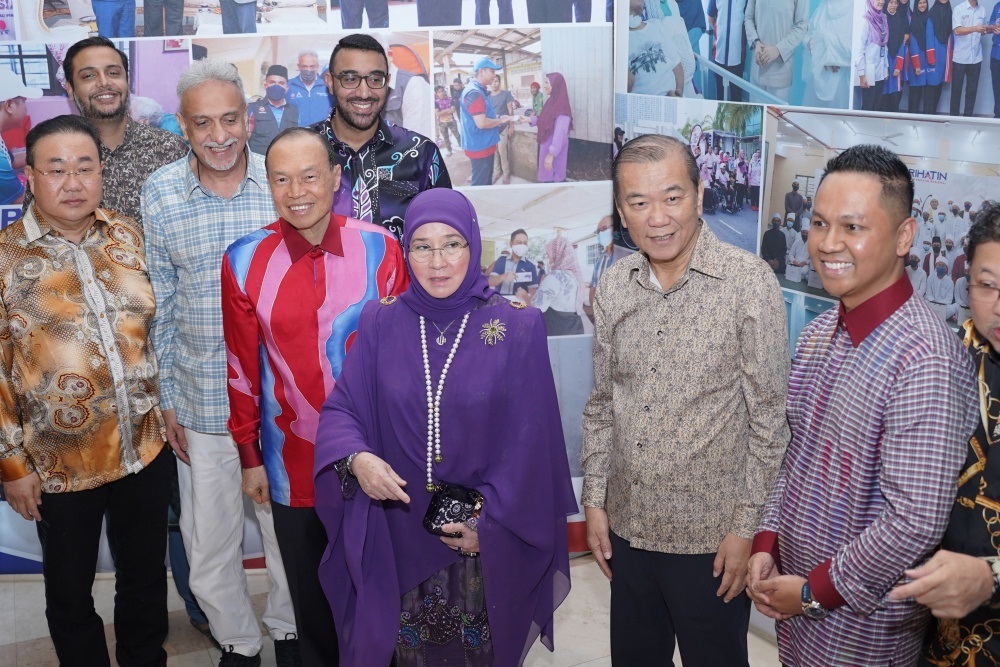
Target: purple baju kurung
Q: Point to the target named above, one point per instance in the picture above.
(500, 434)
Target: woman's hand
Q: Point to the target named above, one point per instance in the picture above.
(468, 542)
(377, 478)
(549, 161)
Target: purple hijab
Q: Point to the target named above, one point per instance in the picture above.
(453, 209)
(878, 24)
(557, 105)
(501, 433)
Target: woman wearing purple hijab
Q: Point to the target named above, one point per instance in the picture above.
(554, 124)
(448, 383)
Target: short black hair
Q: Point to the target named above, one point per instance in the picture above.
(650, 149)
(985, 227)
(883, 164)
(516, 232)
(438, 88)
(73, 51)
(291, 132)
(358, 42)
(65, 124)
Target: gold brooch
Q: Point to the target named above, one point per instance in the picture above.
(387, 300)
(493, 332)
(517, 304)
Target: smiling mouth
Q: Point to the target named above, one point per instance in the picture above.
(838, 266)
(299, 208)
(105, 96)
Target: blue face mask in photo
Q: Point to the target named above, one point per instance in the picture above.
(941, 272)
(275, 92)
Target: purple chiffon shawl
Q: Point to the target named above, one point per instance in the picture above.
(501, 434)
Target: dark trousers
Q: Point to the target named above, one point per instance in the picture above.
(609, 13)
(70, 532)
(871, 97)
(505, 8)
(439, 12)
(238, 18)
(660, 599)
(969, 75)
(153, 12)
(302, 540)
(550, 11)
(735, 92)
(482, 170)
(915, 103)
(932, 95)
(890, 101)
(582, 10)
(350, 13)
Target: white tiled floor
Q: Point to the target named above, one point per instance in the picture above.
(581, 625)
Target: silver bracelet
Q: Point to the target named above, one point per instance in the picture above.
(350, 460)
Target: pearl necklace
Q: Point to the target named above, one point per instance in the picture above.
(434, 400)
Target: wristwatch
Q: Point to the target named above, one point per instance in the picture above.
(753, 44)
(810, 607)
(994, 562)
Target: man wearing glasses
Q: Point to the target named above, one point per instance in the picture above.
(316, 269)
(961, 583)
(383, 166)
(81, 433)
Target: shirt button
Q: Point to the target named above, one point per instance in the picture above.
(102, 315)
(639, 445)
(651, 370)
(645, 408)
(659, 333)
(666, 296)
(635, 482)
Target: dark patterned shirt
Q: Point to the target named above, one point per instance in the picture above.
(143, 150)
(378, 182)
(974, 524)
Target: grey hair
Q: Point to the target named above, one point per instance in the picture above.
(202, 71)
(148, 108)
(308, 52)
(650, 149)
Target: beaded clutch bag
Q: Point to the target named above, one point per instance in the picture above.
(452, 503)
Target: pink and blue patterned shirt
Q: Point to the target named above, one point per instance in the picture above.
(289, 314)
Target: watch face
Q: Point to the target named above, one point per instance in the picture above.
(814, 611)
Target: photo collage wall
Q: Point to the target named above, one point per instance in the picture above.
(551, 56)
(766, 91)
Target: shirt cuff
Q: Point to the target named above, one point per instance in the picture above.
(766, 541)
(250, 456)
(823, 590)
(15, 467)
(594, 492)
(166, 394)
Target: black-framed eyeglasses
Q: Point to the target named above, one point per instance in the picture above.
(351, 80)
(983, 293)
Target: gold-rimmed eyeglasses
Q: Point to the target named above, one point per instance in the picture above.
(450, 251)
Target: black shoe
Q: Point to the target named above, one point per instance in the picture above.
(233, 659)
(286, 651)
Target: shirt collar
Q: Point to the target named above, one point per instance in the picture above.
(256, 174)
(299, 247)
(866, 317)
(705, 259)
(36, 226)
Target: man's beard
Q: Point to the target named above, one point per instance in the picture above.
(345, 113)
(92, 113)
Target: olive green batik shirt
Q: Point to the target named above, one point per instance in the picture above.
(685, 429)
